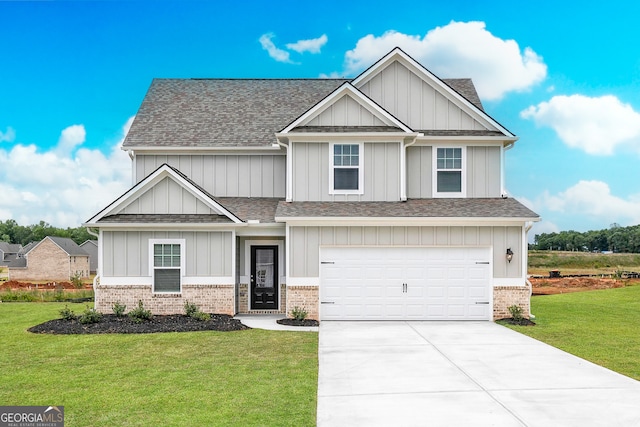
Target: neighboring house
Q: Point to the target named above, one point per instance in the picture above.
(381, 197)
(91, 247)
(53, 258)
(8, 253)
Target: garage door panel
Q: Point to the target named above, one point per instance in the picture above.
(404, 283)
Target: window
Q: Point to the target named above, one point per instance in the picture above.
(167, 266)
(449, 167)
(346, 175)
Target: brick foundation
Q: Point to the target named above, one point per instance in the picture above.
(218, 299)
(243, 300)
(506, 296)
(306, 297)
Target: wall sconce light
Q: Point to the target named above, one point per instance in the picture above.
(509, 254)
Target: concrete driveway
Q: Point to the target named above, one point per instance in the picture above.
(462, 374)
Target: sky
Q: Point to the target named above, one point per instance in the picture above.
(563, 76)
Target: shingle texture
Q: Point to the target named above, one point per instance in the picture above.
(69, 246)
(228, 113)
(165, 219)
(412, 208)
(262, 209)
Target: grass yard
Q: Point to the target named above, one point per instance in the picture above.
(600, 326)
(247, 378)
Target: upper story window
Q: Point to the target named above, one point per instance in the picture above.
(346, 169)
(449, 172)
(167, 264)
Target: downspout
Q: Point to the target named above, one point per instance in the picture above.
(403, 166)
(527, 227)
(289, 170)
(509, 146)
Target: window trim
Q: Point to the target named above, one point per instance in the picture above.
(463, 173)
(360, 189)
(152, 267)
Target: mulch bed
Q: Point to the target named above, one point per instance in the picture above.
(110, 324)
(294, 322)
(521, 322)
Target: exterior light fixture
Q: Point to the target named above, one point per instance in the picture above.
(509, 254)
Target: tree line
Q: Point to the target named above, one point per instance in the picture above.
(615, 238)
(12, 232)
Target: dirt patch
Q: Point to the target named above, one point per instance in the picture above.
(110, 324)
(12, 284)
(562, 285)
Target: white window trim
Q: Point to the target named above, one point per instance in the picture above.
(463, 174)
(360, 189)
(152, 268)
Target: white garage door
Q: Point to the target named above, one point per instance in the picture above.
(392, 283)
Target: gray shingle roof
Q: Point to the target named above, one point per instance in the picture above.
(69, 246)
(262, 209)
(412, 208)
(165, 219)
(230, 113)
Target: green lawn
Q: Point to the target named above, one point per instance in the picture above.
(247, 378)
(600, 326)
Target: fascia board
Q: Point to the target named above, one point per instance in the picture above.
(369, 136)
(401, 221)
(345, 88)
(267, 149)
(499, 140)
(429, 77)
(168, 226)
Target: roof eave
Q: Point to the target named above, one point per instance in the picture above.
(408, 220)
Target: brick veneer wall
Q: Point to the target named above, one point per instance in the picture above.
(306, 297)
(218, 299)
(243, 300)
(48, 262)
(506, 296)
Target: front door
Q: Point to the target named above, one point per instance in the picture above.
(264, 277)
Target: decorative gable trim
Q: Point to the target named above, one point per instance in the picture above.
(349, 90)
(399, 55)
(153, 179)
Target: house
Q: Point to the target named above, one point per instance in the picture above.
(379, 197)
(53, 258)
(91, 247)
(8, 252)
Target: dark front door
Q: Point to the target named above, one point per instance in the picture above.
(264, 277)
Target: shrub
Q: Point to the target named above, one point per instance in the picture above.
(299, 313)
(67, 314)
(76, 281)
(194, 312)
(90, 315)
(139, 314)
(516, 312)
(118, 309)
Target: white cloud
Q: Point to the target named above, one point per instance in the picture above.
(459, 49)
(69, 187)
(593, 199)
(596, 125)
(275, 53)
(311, 45)
(9, 135)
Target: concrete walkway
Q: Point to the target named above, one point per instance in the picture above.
(462, 374)
(268, 322)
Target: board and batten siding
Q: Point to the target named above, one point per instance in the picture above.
(482, 173)
(167, 197)
(305, 242)
(225, 175)
(345, 112)
(415, 102)
(207, 254)
(311, 173)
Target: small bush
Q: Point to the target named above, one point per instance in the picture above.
(67, 314)
(90, 315)
(194, 312)
(516, 312)
(139, 314)
(118, 309)
(76, 281)
(299, 313)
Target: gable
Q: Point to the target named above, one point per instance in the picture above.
(165, 198)
(345, 111)
(424, 102)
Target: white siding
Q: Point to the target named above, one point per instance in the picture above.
(225, 175)
(345, 112)
(167, 197)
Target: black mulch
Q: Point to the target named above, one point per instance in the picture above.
(521, 322)
(294, 322)
(110, 324)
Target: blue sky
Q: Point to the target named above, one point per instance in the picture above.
(563, 76)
